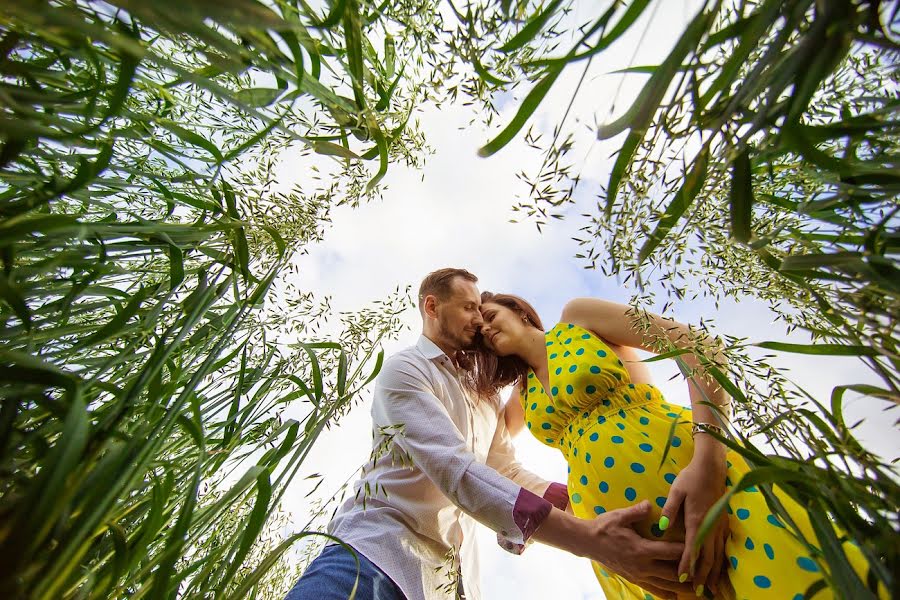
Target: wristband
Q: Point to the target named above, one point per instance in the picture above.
(706, 428)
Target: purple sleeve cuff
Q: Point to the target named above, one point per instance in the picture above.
(529, 512)
(557, 495)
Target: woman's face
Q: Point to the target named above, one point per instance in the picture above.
(501, 329)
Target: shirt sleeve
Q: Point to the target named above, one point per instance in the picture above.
(404, 396)
(502, 457)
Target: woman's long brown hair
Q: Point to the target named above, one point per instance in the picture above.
(490, 372)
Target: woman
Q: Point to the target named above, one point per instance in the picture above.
(613, 427)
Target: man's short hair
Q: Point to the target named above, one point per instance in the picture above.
(440, 284)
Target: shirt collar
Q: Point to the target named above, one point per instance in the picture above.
(429, 349)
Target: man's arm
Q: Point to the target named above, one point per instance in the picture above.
(502, 457)
(404, 395)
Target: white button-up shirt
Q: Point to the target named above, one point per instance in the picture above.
(440, 458)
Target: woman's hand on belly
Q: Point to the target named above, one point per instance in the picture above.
(696, 488)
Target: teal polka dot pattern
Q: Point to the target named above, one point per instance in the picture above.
(807, 564)
(614, 432)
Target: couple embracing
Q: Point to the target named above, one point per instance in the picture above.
(443, 460)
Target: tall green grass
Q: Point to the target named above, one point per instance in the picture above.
(143, 449)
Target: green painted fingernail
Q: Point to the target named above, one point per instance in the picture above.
(682, 578)
(663, 523)
(699, 590)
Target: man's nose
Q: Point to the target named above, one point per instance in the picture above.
(479, 322)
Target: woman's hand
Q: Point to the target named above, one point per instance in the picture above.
(696, 488)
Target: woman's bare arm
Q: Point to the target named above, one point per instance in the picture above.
(616, 323)
(513, 413)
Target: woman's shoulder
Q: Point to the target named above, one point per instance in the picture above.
(583, 311)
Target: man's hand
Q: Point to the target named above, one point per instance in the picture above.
(611, 540)
(653, 565)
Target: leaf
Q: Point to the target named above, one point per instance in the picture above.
(16, 366)
(637, 117)
(632, 13)
(258, 97)
(276, 237)
(529, 105)
(118, 322)
(390, 55)
(16, 228)
(331, 149)
(804, 262)
(741, 199)
(731, 31)
(531, 28)
(382, 145)
(16, 301)
(379, 360)
(243, 589)
(43, 506)
(176, 266)
(191, 137)
(646, 69)
(758, 476)
(693, 183)
(845, 580)
(623, 161)
(820, 349)
(353, 38)
(252, 527)
(239, 237)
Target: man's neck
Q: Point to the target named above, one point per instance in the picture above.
(449, 349)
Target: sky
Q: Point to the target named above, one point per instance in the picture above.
(456, 211)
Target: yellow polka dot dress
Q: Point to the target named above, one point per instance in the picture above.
(613, 434)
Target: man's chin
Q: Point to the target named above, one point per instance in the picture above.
(470, 342)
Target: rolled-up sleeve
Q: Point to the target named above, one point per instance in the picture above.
(405, 397)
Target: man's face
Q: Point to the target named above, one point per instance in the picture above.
(459, 319)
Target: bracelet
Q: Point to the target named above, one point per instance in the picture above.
(707, 428)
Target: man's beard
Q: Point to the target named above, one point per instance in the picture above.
(457, 339)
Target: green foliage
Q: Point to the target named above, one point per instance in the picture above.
(144, 251)
(759, 158)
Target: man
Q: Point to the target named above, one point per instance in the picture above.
(442, 459)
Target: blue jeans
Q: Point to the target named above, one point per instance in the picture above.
(332, 574)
